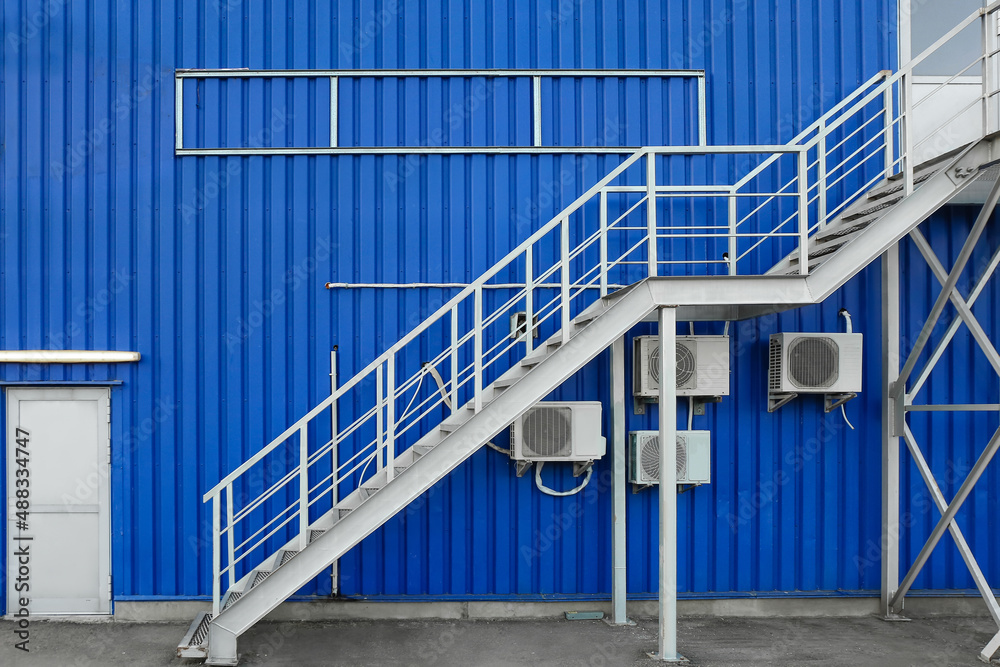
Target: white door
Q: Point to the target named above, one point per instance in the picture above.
(58, 501)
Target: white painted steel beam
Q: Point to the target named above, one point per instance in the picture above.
(67, 357)
(668, 489)
(619, 582)
(890, 442)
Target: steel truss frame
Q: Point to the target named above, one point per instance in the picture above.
(898, 401)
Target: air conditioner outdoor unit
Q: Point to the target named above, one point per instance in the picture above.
(702, 366)
(559, 431)
(694, 457)
(815, 363)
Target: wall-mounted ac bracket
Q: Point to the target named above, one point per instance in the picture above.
(639, 403)
(580, 467)
(833, 401)
(523, 467)
(700, 401)
(776, 399)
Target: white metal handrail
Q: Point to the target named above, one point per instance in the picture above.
(548, 275)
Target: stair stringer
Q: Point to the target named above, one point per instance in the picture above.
(537, 383)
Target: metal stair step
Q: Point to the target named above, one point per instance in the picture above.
(367, 490)
(315, 535)
(881, 206)
(287, 556)
(505, 382)
(841, 231)
(895, 186)
(587, 317)
(194, 644)
(231, 599)
(529, 362)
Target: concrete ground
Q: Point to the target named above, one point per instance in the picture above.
(942, 641)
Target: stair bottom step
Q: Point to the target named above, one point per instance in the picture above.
(195, 642)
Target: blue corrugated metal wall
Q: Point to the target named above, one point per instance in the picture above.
(213, 268)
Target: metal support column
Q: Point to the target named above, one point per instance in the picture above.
(618, 545)
(889, 542)
(668, 490)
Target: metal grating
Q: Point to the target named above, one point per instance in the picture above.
(813, 362)
(548, 432)
(649, 457)
(200, 635)
(287, 556)
(682, 456)
(774, 367)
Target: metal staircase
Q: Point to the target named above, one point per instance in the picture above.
(830, 202)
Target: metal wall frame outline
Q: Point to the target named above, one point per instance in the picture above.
(335, 75)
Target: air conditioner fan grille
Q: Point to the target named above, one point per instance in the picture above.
(548, 432)
(813, 362)
(686, 365)
(649, 457)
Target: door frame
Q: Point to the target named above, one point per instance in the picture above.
(102, 394)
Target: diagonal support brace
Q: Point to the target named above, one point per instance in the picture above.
(942, 345)
(961, 305)
(963, 258)
(956, 532)
(947, 517)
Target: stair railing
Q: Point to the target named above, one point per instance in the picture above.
(772, 198)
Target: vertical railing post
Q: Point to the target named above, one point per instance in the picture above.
(477, 345)
(230, 534)
(564, 283)
(390, 416)
(529, 301)
(989, 44)
(820, 177)
(907, 136)
(454, 359)
(216, 554)
(889, 117)
(733, 246)
(803, 211)
(651, 213)
(379, 417)
(604, 242)
(303, 486)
